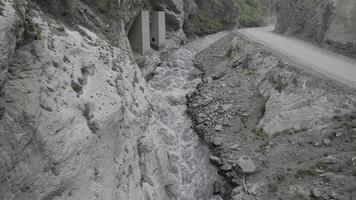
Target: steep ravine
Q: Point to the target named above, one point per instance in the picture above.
(184, 159)
(78, 121)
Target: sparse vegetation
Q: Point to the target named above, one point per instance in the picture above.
(27, 29)
(244, 120)
(107, 6)
(321, 165)
(78, 88)
(251, 12)
(206, 24)
(272, 188)
(260, 133)
(306, 172)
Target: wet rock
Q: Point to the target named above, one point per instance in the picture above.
(217, 187)
(226, 167)
(246, 164)
(237, 190)
(337, 196)
(216, 161)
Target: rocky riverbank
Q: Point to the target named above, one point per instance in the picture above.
(275, 131)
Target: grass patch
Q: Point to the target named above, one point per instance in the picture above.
(306, 172)
(260, 133)
(244, 120)
(290, 131)
(321, 165)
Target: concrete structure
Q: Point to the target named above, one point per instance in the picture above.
(139, 34)
(158, 30)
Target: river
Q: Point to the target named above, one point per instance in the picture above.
(193, 175)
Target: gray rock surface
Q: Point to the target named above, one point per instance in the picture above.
(246, 164)
(278, 115)
(73, 109)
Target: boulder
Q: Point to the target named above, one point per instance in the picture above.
(246, 164)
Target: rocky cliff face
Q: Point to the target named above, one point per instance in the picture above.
(73, 105)
(332, 24)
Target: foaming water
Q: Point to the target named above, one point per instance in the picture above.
(191, 174)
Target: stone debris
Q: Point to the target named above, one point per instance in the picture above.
(246, 164)
(218, 128)
(326, 141)
(316, 192)
(216, 161)
(329, 160)
(218, 141)
(266, 119)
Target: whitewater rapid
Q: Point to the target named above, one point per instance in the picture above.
(191, 174)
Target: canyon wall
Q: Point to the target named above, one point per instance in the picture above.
(74, 106)
(330, 23)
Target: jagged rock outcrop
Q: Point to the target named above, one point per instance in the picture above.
(330, 23)
(73, 104)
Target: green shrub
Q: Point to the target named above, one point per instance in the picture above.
(107, 6)
(244, 120)
(251, 12)
(206, 24)
(260, 133)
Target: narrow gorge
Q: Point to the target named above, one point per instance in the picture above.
(217, 114)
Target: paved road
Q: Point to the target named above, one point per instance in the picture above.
(305, 54)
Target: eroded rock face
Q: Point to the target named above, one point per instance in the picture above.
(73, 110)
(330, 23)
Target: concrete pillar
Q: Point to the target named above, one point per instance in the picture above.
(139, 35)
(158, 30)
